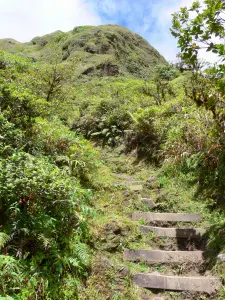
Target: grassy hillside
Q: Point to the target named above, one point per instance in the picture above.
(107, 50)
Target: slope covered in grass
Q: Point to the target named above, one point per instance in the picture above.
(107, 50)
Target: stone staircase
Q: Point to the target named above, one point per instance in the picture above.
(156, 281)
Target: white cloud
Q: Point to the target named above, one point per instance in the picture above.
(109, 7)
(25, 19)
(161, 38)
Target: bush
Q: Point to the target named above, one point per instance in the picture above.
(143, 136)
(70, 151)
(105, 121)
(44, 213)
(20, 106)
(10, 137)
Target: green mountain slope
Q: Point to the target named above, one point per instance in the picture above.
(107, 50)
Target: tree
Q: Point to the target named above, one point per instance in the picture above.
(51, 79)
(202, 27)
(164, 74)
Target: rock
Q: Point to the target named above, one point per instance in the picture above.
(148, 202)
(112, 243)
(124, 271)
(113, 227)
(62, 160)
(136, 188)
(106, 262)
(152, 183)
(152, 179)
(110, 238)
(221, 257)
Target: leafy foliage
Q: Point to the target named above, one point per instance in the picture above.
(198, 32)
(144, 136)
(43, 208)
(4, 238)
(202, 27)
(10, 274)
(203, 31)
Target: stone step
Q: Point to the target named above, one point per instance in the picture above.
(207, 285)
(159, 256)
(174, 232)
(137, 187)
(166, 217)
(134, 182)
(149, 202)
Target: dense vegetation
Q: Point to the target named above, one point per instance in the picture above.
(43, 205)
(109, 86)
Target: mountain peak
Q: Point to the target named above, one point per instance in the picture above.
(105, 50)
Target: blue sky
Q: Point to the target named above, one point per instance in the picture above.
(149, 18)
(25, 19)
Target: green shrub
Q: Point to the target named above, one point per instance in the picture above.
(105, 121)
(44, 213)
(10, 137)
(143, 136)
(11, 64)
(70, 151)
(19, 105)
(11, 275)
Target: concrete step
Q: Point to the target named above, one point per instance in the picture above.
(166, 217)
(160, 256)
(174, 232)
(207, 285)
(149, 202)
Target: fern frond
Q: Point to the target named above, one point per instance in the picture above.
(46, 242)
(4, 238)
(9, 265)
(74, 262)
(83, 253)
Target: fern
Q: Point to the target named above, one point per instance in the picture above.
(4, 238)
(10, 274)
(74, 262)
(83, 253)
(46, 242)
